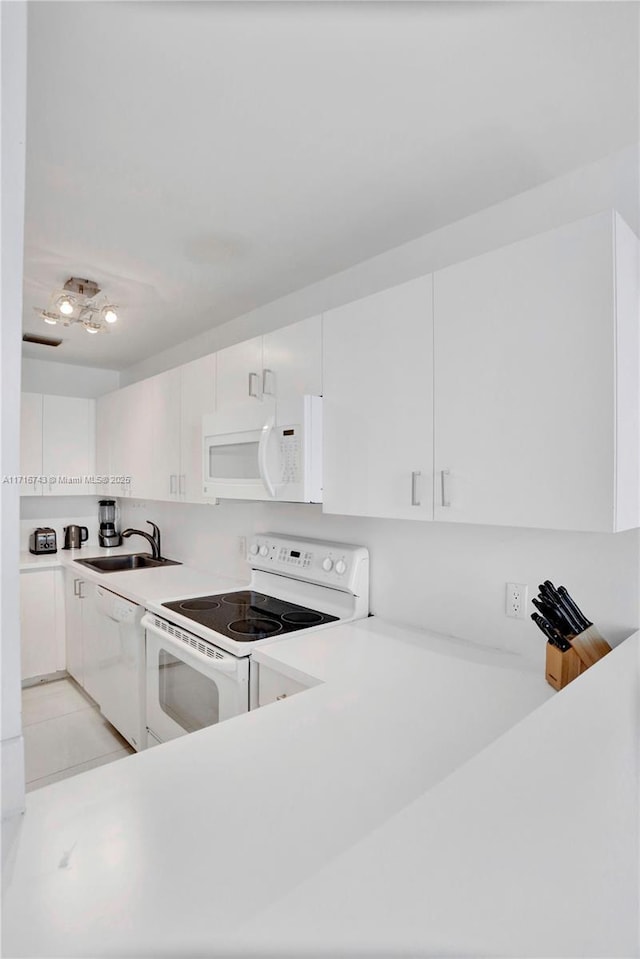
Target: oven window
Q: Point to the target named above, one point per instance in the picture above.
(187, 696)
(235, 461)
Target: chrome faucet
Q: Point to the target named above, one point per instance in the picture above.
(152, 539)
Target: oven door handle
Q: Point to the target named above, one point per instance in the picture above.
(227, 663)
(263, 447)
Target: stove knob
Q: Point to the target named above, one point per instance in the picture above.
(327, 564)
(264, 550)
(341, 567)
(253, 549)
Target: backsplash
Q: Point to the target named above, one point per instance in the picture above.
(447, 577)
(58, 512)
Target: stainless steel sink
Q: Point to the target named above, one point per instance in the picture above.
(118, 564)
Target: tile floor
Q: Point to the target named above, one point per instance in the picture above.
(64, 733)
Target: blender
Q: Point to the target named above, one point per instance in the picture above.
(107, 535)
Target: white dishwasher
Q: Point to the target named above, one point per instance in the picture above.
(119, 666)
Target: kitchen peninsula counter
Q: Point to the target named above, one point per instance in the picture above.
(427, 796)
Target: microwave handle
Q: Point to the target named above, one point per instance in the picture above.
(263, 446)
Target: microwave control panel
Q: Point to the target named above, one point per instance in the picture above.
(290, 453)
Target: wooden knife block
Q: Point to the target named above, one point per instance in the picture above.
(586, 649)
(561, 668)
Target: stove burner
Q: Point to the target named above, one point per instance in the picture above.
(196, 604)
(256, 628)
(302, 617)
(244, 597)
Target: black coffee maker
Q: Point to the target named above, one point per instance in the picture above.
(107, 535)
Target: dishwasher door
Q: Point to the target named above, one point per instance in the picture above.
(119, 665)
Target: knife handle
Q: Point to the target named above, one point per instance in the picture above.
(573, 606)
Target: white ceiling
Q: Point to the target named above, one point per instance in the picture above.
(201, 159)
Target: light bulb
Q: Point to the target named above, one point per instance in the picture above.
(65, 305)
(49, 320)
(92, 329)
(109, 314)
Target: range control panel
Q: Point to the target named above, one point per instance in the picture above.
(333, 564)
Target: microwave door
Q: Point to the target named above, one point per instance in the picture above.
(231, 466)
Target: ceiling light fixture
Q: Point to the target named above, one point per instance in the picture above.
(79, 303)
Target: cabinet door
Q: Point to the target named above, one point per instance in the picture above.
(68, 444)
(378, 404)
(105, 425)
(31, 442)
(239, 385)
(524, 383)
(91, 640)
(198, 398)
(132, 440)
(163, 409)
(73, 618)
(38, 623)
(292, 359)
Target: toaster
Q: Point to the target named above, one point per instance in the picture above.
(43, 540)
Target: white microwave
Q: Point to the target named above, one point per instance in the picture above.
(274, 461)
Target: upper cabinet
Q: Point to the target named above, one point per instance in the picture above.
(150, 434)
(239, 379)
(536, 382)
(268, 375)
(197, 398)
(378, 404)
(58, 442)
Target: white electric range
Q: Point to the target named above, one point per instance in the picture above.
(198, 648)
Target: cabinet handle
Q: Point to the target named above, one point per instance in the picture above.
(444, 476)
(414, 488)
(80, 585)
(265, 374)
(251, 379)
(75, 587)
(173, 484)
(182, 487)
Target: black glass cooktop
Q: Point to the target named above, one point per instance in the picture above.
(246, 616)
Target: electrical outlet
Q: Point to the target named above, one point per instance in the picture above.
(516, 600)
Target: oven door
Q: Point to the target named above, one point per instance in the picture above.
(189, 684)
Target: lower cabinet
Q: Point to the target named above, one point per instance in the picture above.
(81, 640)
(41, 623)
(273, 686)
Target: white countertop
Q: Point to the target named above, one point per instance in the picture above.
(414, 799)
(143, 586)
(170, 849)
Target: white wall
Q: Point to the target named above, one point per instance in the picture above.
(609, 183)
(450, 578)
(13, 115)
(65, 379)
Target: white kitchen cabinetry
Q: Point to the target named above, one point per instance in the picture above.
(536, 382)
(239, 382)
(197, 398)
(68, 444)
(269, 374)
(41, 623)
(151, 431)
(82, 643)
(274, 686)
(57, 440)
(162, 405)
(378, 404)
(292, 366)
